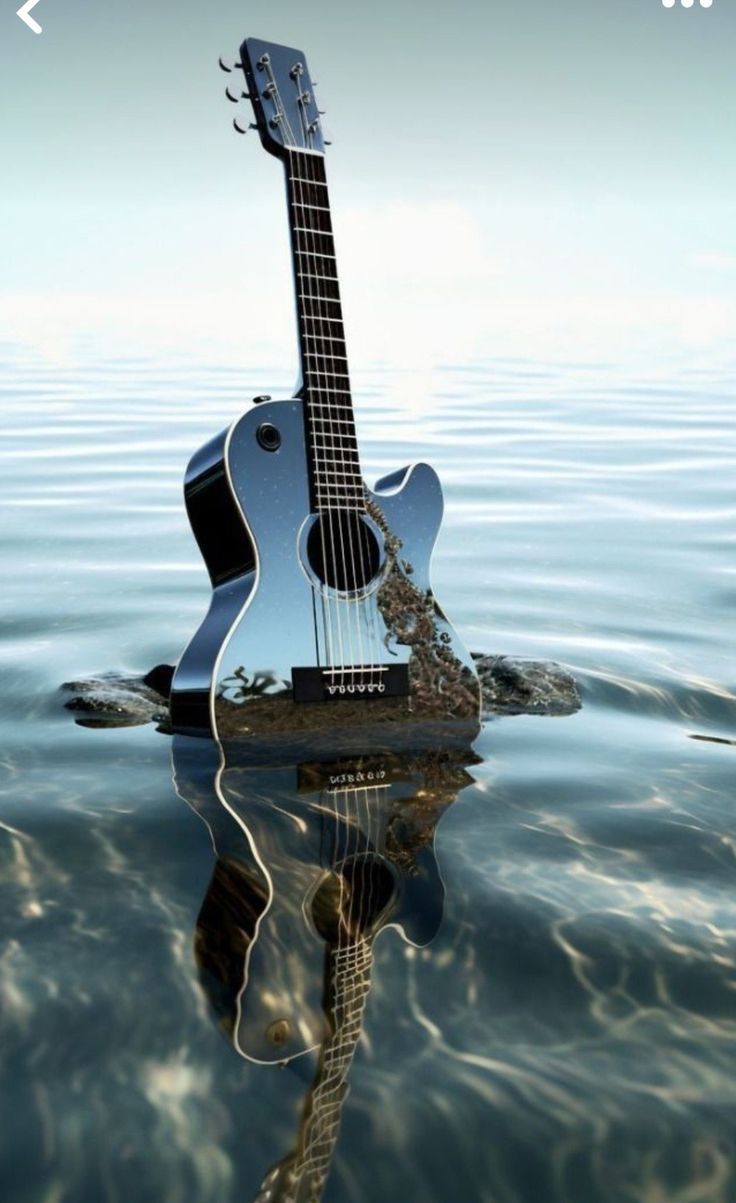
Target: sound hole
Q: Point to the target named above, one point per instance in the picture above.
(343, 551)
(353, 898)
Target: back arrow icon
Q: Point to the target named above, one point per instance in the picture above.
(23, 12)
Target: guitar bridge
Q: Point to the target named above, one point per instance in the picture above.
(350, 682)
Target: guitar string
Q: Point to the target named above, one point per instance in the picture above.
(375, 843)
(362, 551)
(289, 133)
(340, 435)
(350, 967)
(298, 189)
(344, 525)
(289, 137)
(314, 374)
(337, 440)
(323, 487)
(310, 1134)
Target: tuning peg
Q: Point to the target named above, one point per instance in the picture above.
(241, 126)
(236, 94)
(228, 65)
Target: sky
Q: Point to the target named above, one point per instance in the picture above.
(529, 177)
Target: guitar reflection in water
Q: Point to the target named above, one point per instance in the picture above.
(313, 861)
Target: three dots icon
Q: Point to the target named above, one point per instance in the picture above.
(688, 3)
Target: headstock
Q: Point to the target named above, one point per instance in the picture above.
(282, 95)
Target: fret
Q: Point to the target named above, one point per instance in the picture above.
(318, 208)
(309, 296)
(329, 408)
(324, 388)
(322, 262)
(334, 329)
(357, 481)
(342, 491)
(328, 466)
(315, 221)
(320, 442)
(354, 482)
(347, 470)
(338, 360)
(337, 436)
(327, 421)
(315, 254)
(348, 456)
(324, 279)
(338, 465)
(332, 507)
(325, 355)
(316, 313)
(321, 239)
(298, 179)
(326, 337)
(332, 493)
(352, 489)
(322, 372)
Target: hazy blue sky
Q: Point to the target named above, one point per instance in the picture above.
(527, 175)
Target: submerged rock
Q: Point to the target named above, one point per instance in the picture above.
(515, 685)
(511, 685)
(114, 700)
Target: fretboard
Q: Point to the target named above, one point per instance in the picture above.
(335, 476)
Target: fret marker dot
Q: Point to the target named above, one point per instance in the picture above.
(706, 3)
(687, 3)
(669, 3)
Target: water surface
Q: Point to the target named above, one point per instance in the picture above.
(570, 1033)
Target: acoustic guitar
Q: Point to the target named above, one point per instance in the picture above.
(322, 614)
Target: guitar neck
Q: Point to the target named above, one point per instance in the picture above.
(335, 475)
(301, 1178)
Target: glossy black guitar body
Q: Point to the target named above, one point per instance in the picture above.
(322, 616)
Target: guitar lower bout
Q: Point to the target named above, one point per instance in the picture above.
(318, 622)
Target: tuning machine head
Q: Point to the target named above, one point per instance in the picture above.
(241, 125)
(228, 64)
(235, 93)
(282, 94)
